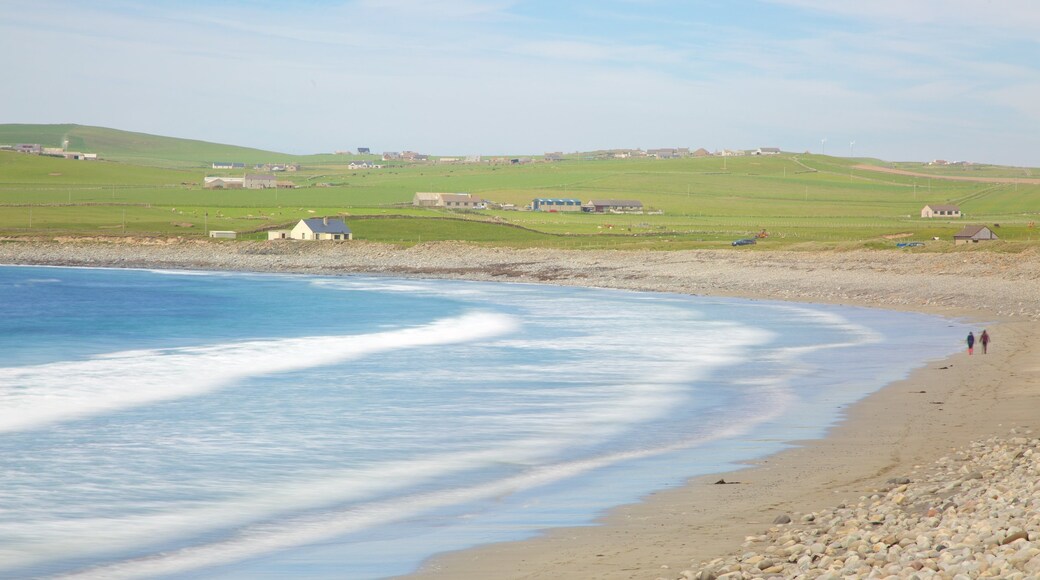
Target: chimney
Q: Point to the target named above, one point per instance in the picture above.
(325, 220)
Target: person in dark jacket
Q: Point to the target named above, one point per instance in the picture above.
(984, 341)
(971, 343)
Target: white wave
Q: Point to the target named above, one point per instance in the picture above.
(35, 396)
(557, 427)
(267, 538)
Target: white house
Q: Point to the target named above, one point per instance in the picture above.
(936, 210)
(364, 165)
(323, 228)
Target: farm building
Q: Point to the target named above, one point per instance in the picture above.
(320, 229)
(934, 211)
(228, 165)
(448, 200)
(260, 181)
(363, 150)
(974, 234)
(556, 204)
(223, 182)
(227, 234)
(278, 234)
(613, 206)
(767, 151)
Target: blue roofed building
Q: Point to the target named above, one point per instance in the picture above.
(556, 204)
(323, 228)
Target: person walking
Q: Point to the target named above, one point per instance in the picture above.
(984, 341)
(971, 343)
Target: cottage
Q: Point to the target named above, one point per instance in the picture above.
(613, 206)
(554, 156)
(259, 181)
(323, 228)
(33, 148)
(937, 210)
(555, 204)
(702, 152)
(974, 235)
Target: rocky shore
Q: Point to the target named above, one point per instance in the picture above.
(1007, 285)
(973, 514)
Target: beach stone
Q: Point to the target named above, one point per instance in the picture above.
(1014, 537)
(782, 519)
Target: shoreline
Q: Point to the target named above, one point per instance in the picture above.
(891, 433)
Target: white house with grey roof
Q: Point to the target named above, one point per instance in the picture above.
(323, 228)
(940, 211)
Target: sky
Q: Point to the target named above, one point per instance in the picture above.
(900, 80)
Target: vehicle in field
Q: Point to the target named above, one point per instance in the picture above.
(909, 244)
(744, 242)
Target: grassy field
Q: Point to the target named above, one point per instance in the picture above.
(800, 200)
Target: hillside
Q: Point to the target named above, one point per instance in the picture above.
(150, 185)
(137, 148)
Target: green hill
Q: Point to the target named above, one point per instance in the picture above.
(139, 148)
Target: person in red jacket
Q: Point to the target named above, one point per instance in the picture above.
(984, 341)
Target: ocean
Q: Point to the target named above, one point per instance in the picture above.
(173, 424)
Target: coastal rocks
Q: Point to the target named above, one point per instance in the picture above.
(975, 514)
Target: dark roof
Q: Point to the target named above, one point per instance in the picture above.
(334, 226)
(940, 207)
(970, 231)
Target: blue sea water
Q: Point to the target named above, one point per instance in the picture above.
(219, 425)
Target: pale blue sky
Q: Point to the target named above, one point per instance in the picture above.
(905, 80)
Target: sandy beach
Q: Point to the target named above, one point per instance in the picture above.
(899, 432)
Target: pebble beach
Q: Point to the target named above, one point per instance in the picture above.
(935, 476)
